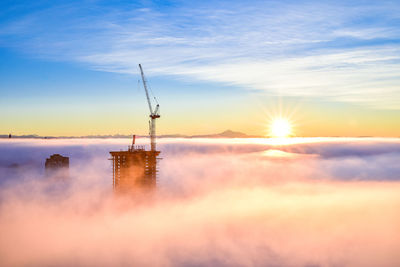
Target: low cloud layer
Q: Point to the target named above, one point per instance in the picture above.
(236, 202)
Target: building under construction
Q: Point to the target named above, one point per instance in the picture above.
(136, 168)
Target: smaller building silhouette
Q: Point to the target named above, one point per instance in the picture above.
(57, 166)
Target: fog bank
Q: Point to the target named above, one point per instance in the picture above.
(225, 202)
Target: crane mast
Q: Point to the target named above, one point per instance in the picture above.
(153, 114)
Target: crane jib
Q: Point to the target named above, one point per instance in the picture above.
(145, 89)
(153, 115)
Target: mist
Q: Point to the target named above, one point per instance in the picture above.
(218, 202)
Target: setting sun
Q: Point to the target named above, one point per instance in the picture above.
(280, 127)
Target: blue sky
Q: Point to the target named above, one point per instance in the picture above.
(337, 51)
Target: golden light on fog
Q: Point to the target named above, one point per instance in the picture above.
(280, 128)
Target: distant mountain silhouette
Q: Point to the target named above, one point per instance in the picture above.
(20, 136)
(225, 134)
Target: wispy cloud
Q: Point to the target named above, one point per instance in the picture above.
(334, 50)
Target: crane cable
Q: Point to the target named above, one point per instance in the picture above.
(151, 92)
(149, 87)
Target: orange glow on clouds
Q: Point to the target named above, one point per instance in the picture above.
(267, 203)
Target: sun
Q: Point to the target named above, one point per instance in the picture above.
(280, 128)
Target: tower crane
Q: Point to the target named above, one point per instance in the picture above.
(153, 114)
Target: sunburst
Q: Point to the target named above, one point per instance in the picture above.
(280, 128)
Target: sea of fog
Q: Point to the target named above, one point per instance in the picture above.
(218, 202)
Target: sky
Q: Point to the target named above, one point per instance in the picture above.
(70, 68)
(303, 202)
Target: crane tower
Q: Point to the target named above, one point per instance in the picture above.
(153, 114)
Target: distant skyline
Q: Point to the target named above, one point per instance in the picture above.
(69, 68)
